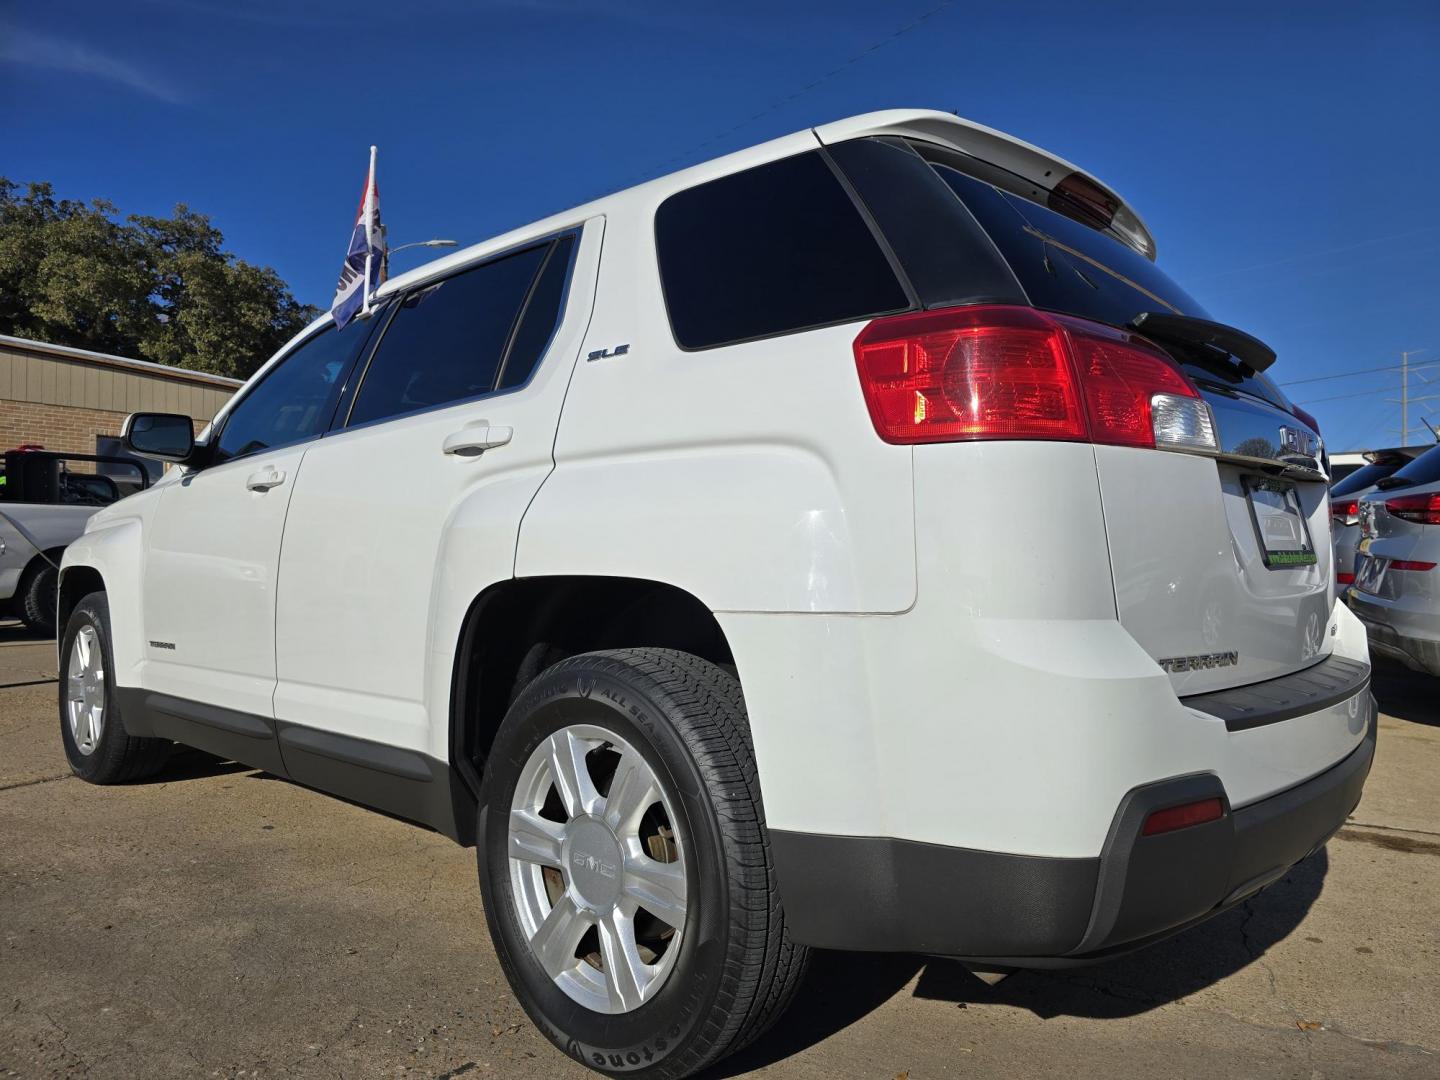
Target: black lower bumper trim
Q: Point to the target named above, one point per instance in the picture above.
(1320, 686)
(885, 895)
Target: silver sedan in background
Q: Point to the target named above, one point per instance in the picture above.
(1345, 496)
(1397, 564)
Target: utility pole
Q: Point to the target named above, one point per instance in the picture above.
(1405, 399)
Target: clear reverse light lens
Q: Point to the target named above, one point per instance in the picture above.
(1183, 423)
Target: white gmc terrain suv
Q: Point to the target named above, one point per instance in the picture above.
(852, 542)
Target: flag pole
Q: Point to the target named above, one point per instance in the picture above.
(369, 247)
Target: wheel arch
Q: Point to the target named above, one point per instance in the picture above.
(546, 619)
(76, 583)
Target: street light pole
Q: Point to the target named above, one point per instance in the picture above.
(414, 244)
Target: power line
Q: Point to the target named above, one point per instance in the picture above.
(1362, 371)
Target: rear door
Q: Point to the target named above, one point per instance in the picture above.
(417, 494)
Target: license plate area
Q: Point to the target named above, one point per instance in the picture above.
(1280, 526)
(1369, 573)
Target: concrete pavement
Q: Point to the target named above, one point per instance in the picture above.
(221, 922)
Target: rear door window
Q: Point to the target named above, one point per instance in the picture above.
(446, 340)
(772, 250)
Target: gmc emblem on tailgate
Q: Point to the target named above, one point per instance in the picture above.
(1198, 663)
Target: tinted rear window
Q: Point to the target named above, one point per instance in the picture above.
(1363, 478)
(1064, 265)
(771, 250)
(1425, 469)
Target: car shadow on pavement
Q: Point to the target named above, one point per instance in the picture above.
(842, 988)
(187, 764)
(13, 631)
(1405, 694)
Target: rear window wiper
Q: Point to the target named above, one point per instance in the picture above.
(1385, 483)
(1216, 340)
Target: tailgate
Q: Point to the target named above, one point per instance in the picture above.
(1222, 566)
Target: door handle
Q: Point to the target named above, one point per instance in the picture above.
(265, 479)
(472, 440)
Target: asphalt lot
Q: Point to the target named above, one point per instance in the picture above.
(220, 922)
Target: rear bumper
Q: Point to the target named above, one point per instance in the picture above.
(1409, 637)
(887, 895)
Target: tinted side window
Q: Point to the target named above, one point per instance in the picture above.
(294, 401)
(542, 315)
(446, 341)
(771, 250)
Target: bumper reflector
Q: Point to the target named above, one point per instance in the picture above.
(1182, 817)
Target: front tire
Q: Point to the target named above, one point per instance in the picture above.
(625, 866)
(95, 741)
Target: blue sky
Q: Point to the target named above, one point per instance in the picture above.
(1286, 156)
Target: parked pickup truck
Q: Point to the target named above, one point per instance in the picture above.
(44, 505)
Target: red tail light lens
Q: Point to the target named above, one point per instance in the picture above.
(991, 372)
(1422, 509)
(1345, 511)
(1410, 564)
(1182, 817)
(1342, 578)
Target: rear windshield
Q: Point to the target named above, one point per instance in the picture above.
(1363, 477)
(1064, 265)
(1425, 469)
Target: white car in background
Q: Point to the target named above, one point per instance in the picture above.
(866, 546)
(43, 507)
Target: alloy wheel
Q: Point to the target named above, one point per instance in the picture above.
(597, 868)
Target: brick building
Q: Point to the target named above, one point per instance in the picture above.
(74, 401)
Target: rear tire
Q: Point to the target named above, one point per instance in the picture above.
(734, 969)
(96, 744)
(39, 594)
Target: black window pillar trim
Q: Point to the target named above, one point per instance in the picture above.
(870, 223)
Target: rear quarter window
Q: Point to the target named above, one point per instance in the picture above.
(772, 250)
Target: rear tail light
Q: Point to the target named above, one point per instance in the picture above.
(1409, 564)
(991, 372)
(1342, 578)
(1182, 817)
(1421, 509)
(1345, 511)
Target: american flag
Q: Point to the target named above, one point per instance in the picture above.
(364, 267)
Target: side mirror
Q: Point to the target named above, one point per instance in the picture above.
(162, 436)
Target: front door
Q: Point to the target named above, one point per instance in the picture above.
(213, 550)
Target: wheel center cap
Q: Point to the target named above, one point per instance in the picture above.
(593, 861)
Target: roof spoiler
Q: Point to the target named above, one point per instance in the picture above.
(1251, 353)
(1062, 181)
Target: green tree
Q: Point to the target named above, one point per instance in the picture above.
(161, 289)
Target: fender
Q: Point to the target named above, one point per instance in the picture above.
(112, 546)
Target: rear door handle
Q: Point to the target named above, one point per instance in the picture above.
(265, 479)
(472, 440)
